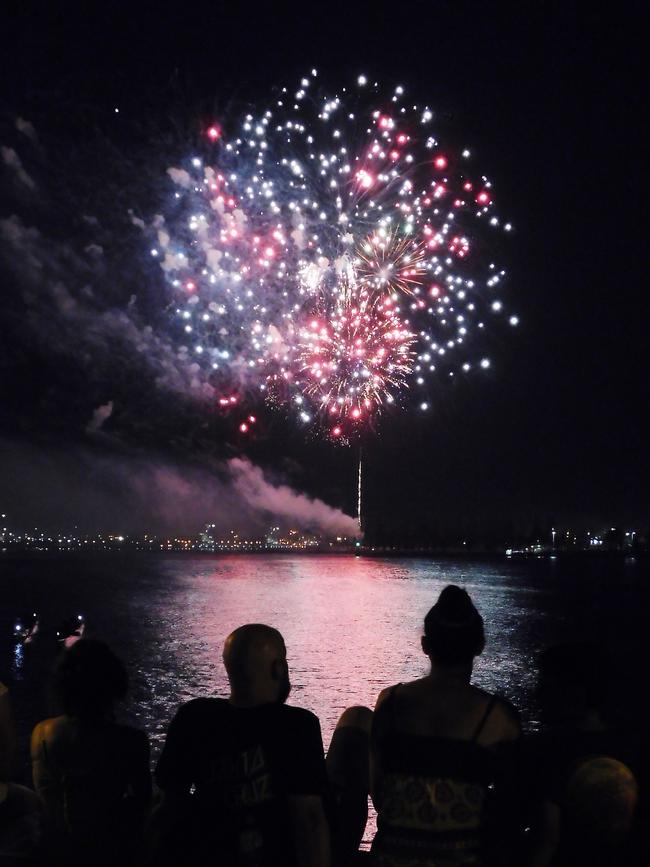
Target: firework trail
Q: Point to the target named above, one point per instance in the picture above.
(331, 254)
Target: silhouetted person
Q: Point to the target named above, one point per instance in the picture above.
(583, 770)
(435, 766)
(7, 736)
(20, 810)
(92, 773)
(243, 778)
(348, 772)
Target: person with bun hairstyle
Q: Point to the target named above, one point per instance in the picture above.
(439, 751)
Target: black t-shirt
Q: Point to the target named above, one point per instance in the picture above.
(234, 769)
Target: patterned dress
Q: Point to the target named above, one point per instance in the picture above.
(434, 798)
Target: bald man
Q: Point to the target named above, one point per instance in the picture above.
(243, 778)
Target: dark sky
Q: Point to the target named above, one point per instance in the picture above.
(553, 98)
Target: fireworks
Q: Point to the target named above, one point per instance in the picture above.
(388, 262)
(352, 359)
(331, 254)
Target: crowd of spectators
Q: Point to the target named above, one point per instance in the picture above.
(243, 781)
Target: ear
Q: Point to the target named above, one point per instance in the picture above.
(278, 667)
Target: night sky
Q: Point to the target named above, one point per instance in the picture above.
(554, 102)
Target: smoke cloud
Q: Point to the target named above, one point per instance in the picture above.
(88, 319)
(283, 502)
(10, 158)
(62, 488)
(66, 307)
(100, 415)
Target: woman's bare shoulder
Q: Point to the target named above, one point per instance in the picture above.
(47, 731)
(403, 690)
(53, 728)
(384, 694)
(503, 723)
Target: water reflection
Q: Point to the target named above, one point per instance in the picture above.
(19, 659)
(351, 626)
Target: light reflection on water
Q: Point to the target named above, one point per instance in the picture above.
(352, 625)
(19, 656)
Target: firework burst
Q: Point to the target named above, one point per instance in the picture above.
(333, 254)
(355, 356)
(392, 263)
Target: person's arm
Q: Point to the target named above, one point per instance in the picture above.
(165, 833)
(544, 781)
(174, 771)
(140, 773)
(380, 722)
(47, 782)
(507, 806)
(509, 721)
(306, 781)
(6, 735)
(348, 774)
(310, 830)
(545, 835)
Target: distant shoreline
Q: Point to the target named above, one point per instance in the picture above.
(368, 553)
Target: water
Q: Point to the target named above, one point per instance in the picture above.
(352, 625)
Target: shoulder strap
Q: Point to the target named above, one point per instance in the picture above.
(484, 718)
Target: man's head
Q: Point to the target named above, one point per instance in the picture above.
(255, 658)
(453, 629)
